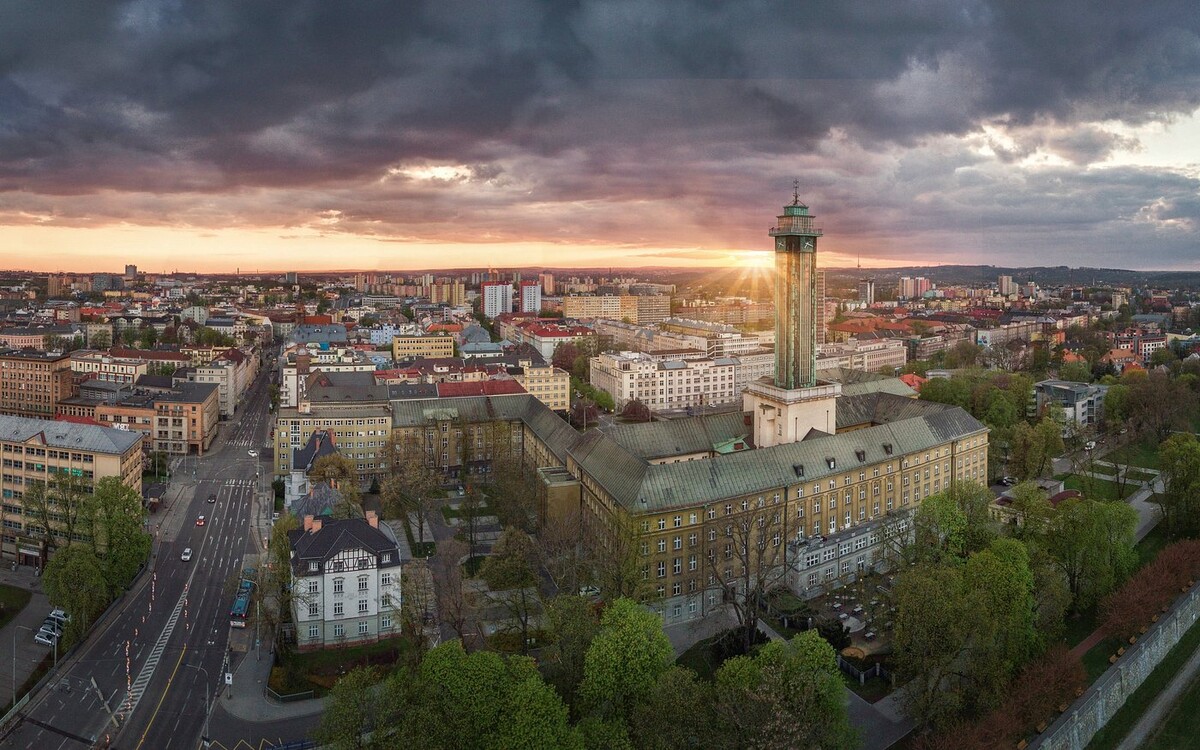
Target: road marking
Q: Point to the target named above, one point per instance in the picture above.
(166, 689)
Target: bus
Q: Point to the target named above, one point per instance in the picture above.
(240, 611)
(241, 604)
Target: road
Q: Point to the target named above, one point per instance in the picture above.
(154, 657)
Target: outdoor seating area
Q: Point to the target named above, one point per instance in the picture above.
(861, 607)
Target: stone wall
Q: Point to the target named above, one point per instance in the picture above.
(1088, 715)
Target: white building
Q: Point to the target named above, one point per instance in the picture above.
(1082, 403)
(497, 298)
(299, 363)
(345, 582)
(531, 297)
(868, 356)
(669, 384)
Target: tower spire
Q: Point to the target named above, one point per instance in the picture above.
(795, 192)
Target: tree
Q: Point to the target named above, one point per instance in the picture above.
(1075, 372)
(564, 356)
(624, 661)
(116, 517)
(1034, 448)
(655, 723)
(514, 492)
(451, 598)
(571, 624)
(636, 411)
(510, 574)
(1092, 542)
(1179, 460)
(58, 508)
(341, 474)
(617, 563)
(787, 695)
(74, 580)
(351, 712)
(148, 337)
(100, 340)
(954, 521)
(751, 562)
(536, 719)
(412, 486)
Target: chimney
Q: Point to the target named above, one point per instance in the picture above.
(316, 525)
(308, 522)
(373, 519)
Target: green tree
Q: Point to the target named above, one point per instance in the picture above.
(1179, 460)
(148, 337)
(412, 486)
(571, 624)
(100, 340)
(511, 574)
(536, 719)
(1092, 543)
(341, 474)
(58, 508)
(787, 695)
(117, 519)
(352, 713)
(1034, 448)
(1075, 372)
(655, 723)
(74, 580)
(625, 660)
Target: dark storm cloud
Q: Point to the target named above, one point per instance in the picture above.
(635, 115)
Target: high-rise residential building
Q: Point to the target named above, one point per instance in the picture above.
(54, 285)
(913, 287)
(1006, 286)
(497, 298)
(822, 331)
(531, 296)
(292, 278)
(866, 291)
(547, 280)
(130, 271)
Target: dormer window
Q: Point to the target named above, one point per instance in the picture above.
(887, 448)
(861, 455)
(831, 461)
(313, 567)
(799, 469)
(387, 557)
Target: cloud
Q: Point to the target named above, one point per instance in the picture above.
(930, 127)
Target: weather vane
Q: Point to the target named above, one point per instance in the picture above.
(795, 192)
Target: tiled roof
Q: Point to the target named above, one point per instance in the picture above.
(338, 535)
(67, 435)
(479, 388)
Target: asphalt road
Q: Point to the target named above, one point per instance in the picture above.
(153, 659)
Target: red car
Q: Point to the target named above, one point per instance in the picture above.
(200, 521)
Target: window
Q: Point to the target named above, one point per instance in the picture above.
(692, 562)
(312, 610)
(385, 623)
(662, 569)
(362, 628)
(677, 521)
(339, 631)
(312, 567)
(362, 606)
(338, 609)
(385, 579)
(362, 583)
(662, 545)
(312, 587)
(677, 566)
(314, 632)
(339, 585)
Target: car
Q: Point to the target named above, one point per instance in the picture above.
(252, 453)
(47, 640)
(200, 521)
(1090, 445)
(212, 498)
(1123, 430)
(187, 554)
(58, 614)
(50, 627)
(1008, 481)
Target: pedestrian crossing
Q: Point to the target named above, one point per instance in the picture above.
(138, 688)
(240, 484)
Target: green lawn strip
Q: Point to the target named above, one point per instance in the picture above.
(1095, 489)
(1151, 544)
(1078, 628)
(449, 513)
(1181, 726)
(1143, 454)
(1137, 475)
(1146, 694)
(12, 601)
(1105, 469)
(873, 690)
(1095, 661)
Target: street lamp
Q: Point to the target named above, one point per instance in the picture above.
(207, 704)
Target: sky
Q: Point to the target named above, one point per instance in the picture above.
(314, 135)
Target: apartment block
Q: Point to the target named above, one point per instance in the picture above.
(33, 383)
(406, 348)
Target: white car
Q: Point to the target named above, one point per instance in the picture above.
(252, 453)
(44, 639)
(1090, 445)
(187, 554)
(59, 615)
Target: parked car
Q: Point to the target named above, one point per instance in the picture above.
(51, 627)
(44, 639)
(200, 521)
(1090, 445)
(61, 616)
(1008, 481)
(187, 554)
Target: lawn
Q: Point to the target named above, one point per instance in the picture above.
(12, 601)
(1096, 489)
(1135, 475)
(1095, 661)
(1144, 454)
(1181, 726)
(1147, 693)
(319, 670)
(449, 513)
(873, 690)
(1076, 629)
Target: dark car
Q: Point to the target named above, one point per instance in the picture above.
(212, 498)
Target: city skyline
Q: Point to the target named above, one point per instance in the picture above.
(319, 138)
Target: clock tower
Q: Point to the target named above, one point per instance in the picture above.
(787, 408)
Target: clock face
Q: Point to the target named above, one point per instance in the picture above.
(780, 243)
(808, 244)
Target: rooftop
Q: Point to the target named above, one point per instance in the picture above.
(58, 434)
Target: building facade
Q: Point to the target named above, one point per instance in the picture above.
(33, 383)
(497, 298)
(405, 348)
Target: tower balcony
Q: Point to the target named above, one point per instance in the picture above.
(802, 225)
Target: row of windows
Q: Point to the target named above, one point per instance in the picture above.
(339, 629)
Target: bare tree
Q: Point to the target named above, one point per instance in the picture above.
(748, 561)
(562, 556)
(451, 598)
(59, 508)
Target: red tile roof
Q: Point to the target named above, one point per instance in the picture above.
(479, 388)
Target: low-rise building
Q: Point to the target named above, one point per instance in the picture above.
(405, 348)
(345, 582)
(105, 367)
(1082, 403)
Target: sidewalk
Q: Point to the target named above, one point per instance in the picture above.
(246, 699)
(26, 654)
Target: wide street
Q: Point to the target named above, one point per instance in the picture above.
(167, 641)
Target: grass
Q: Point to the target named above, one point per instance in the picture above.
(1151, 544)
(1136, 475)
(1095, 661)
(449, 513)
(1096, 489)
(1077, 629)
(1143, 454)
(1120, 724)
(873, 690)
(1182, 723)
(1105, 469)
(320, 670)
(12, 601)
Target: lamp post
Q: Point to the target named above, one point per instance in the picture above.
(14, 664)
(207, 704)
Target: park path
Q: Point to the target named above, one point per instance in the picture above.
(1086, 644)
(1162, 705)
